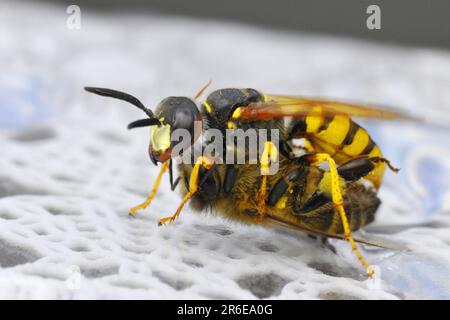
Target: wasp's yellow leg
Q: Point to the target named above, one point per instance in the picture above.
(270, 153)
(152, 194)
(193, 186)
(338, 201)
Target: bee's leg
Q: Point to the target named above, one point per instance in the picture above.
(193, 186)
(152, 194)
(173, 184)
(361, 166)
(280, 188)
(326, 243)
(338, 201)
(231, 174)
(270, 153)
(386, 161)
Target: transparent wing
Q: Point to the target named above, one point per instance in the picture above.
(288, 224)
(286, 106)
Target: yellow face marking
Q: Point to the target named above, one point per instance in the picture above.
(336, 131)
(160, 137)
(265, 97)
(360, 141)
(207, 106)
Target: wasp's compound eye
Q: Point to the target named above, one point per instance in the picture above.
(179, 113)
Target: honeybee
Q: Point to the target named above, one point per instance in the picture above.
(301, 194)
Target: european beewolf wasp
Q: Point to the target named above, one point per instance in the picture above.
(321, 201)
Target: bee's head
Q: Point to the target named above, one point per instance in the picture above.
(172, 113)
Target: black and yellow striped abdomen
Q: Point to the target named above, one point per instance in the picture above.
(340, 137)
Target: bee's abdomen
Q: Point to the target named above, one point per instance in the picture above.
(340, 137)
(360, 205)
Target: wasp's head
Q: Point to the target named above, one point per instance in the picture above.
(172, 113)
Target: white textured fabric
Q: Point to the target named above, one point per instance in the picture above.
(69, 169)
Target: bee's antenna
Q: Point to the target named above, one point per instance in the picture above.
(144, 123)
(122, 96)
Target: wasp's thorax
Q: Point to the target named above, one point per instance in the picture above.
(173, 113)
(221, 104)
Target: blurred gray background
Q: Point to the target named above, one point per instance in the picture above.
(405, 22)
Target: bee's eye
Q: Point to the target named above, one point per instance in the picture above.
(179, 113)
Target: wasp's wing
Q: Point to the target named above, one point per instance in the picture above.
(285, 106)
(276, 220)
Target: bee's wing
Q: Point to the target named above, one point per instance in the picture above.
(287, 106)
(285, 223)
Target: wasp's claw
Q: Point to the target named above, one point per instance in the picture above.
(163, 221)
(133, 211)
(132, 214)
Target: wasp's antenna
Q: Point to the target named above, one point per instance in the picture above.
(122, 96)
(144, 123)
(203, 89)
